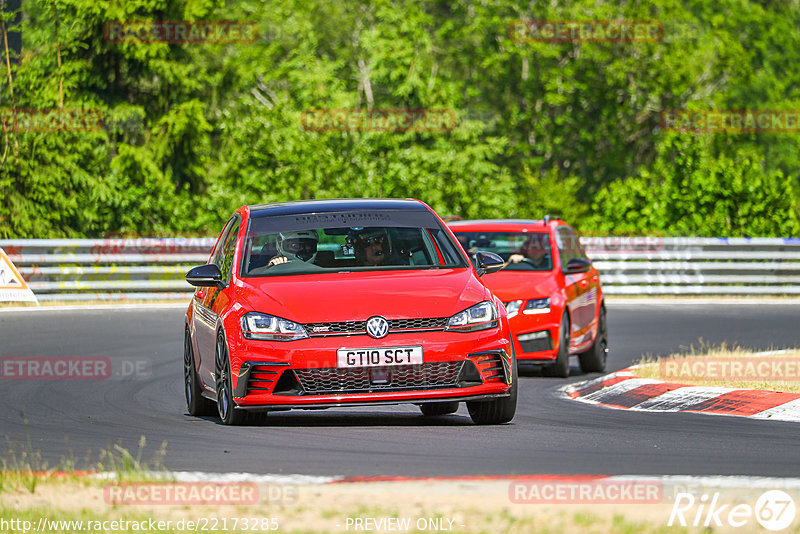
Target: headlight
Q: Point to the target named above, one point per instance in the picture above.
(537, 306)
(478, 317)
(262, 326)
(513, 307)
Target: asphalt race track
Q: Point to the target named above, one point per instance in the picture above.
(550, 434)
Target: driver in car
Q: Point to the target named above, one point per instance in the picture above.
(296, 245)
(534, 251)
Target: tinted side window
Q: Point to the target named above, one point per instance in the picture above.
(216, 256)
(569, 245)
(578, 247)
(225, 259)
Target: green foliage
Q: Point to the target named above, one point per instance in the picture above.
(551, 194)
(689, 191)
(192, 131)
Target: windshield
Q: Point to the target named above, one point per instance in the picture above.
(522, 251)
(310, 245)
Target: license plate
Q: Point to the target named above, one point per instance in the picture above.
(379, 356)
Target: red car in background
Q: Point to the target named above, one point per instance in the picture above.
(327, 303)
(550, 288)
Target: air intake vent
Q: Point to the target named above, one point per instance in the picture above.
(492, 365)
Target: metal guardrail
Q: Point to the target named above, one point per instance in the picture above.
(146, 269)
(108, 269)
(696, 266)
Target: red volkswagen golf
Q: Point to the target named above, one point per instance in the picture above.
(318, 304)
(550, 288)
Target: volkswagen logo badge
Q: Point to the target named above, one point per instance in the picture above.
(377, 327)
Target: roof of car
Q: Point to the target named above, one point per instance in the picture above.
(498, 221)
(502, 222)
(339, 204)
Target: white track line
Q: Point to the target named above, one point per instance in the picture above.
(200, 476)
(104, 307)
(788, 301)
(732, 482)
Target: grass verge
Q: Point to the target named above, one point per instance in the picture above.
(22, 468)
(474, 507)
(723, 366)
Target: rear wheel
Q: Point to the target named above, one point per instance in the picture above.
(560, 367)
(196, 404)
(495, 412)
(438, 408)
(225, 405)
(594, 359)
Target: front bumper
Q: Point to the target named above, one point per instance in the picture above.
(304, 373)
(535, 351)
(319, 405)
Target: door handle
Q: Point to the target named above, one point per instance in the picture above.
(583, 283)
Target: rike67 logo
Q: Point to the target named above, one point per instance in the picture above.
(774, 510)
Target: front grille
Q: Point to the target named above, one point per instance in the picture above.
(418, 324)
(348, 327)
(366, 379)
(360, 327)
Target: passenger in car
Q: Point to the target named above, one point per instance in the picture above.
(371, 247)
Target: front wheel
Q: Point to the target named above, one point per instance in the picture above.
(560, 368)
(498, 411)
(222, 367)
(196, 404)
(594, 359)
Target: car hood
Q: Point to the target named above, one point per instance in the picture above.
(356, 296)
(513, 285)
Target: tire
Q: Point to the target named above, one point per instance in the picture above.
(222, 367)
(594, 359)
(560, 368)
(438, 408)
(497, 411)
(196, 404)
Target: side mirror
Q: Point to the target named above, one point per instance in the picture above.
(205, 276)
(578, 265)
(488, 262)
